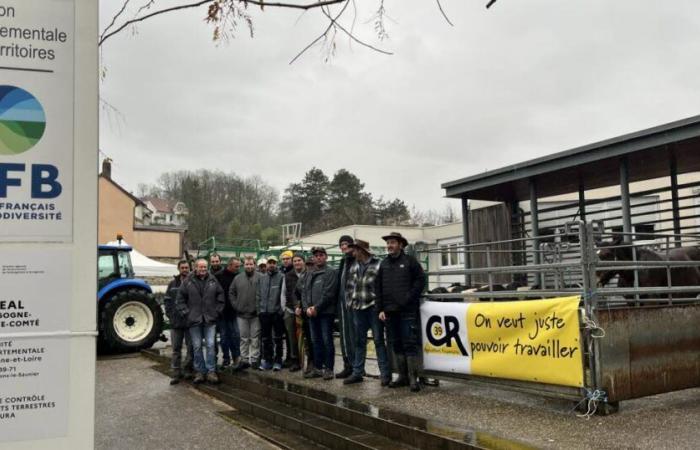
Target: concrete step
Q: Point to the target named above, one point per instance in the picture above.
(341, 422)
(313, 427)
(277, 436)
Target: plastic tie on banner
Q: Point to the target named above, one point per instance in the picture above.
(592, 398)
(594, 330)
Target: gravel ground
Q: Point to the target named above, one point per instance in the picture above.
(137, 409)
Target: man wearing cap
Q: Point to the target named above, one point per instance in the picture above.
(345, 313)
(319, 297)
(362, 301)
(289, 303)
(270, 314)
(399, 283)
(262, 266)
(286, 259)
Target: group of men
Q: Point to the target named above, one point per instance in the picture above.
(264, 310)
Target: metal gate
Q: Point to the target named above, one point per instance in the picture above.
(639, 332)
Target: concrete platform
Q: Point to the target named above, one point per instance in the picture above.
(501, 417)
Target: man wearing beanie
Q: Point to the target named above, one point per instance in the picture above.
(345, 319)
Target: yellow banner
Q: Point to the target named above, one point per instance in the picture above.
(536, 340)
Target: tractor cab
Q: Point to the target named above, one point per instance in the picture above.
(113, 263)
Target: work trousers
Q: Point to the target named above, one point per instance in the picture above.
(322, 339)
(204, 332)
(366, 319)
(177, 336)
(249, 329)
(272, 331)
(403, 332)
(230, 339)
(290, 325)
(347, 332)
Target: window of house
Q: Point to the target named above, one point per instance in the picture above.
(451, 255)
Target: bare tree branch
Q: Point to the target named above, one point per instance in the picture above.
(442, 11)
(148, 16)
(261, 3)
(322, 35)
(351, 36)
(114, 19)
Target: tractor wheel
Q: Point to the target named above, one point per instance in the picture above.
(130, 321)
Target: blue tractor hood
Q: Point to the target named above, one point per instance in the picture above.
(124, 283)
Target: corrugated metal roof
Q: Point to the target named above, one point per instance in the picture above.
(594, 165)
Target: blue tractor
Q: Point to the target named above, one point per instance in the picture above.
(128, 316)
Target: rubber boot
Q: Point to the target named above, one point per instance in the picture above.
(413, 367)
(402, 368)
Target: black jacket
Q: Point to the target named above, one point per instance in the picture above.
(225, 278)
(290, 284)
(200, 300)
(320, 289)
(399, 283)
(343, 270)
(176, 319)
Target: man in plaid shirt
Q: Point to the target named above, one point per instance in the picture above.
(361, 280)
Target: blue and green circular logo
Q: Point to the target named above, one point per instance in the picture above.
(22, 120)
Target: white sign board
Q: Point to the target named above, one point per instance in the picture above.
(35, 290)
(34, 395)
(36, 120)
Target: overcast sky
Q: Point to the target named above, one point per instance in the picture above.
(518, 81)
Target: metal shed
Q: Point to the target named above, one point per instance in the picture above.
(642, 187)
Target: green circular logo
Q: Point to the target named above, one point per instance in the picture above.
(22, 120)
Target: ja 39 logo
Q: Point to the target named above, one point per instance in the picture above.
(442, 332)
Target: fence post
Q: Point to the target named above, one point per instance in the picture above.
(590, 281)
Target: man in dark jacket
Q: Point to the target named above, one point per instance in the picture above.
(178, 326)
(345, 313)
(201, 300)
(228, 327)
(270, 314)
(319, 300)
(242, 297)
(399, 284)
(289, 304)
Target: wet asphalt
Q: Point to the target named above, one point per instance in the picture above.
(134, 402)
(136, 409)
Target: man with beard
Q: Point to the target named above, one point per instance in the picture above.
(399, 283)
(345, 313)
(242, 297)
(270, 314)
(286, 258)
(362, 301)
(289, 303)
(228, 327)
(319, 301)
(178, 327)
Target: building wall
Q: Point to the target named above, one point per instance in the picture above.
(159, 244)
(116, 214)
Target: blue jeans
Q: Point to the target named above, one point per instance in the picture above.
(403, 332)
(322, 340)
(230, 339)
(206, 332)
(364, 320)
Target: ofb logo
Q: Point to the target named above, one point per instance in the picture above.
(22, 120)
